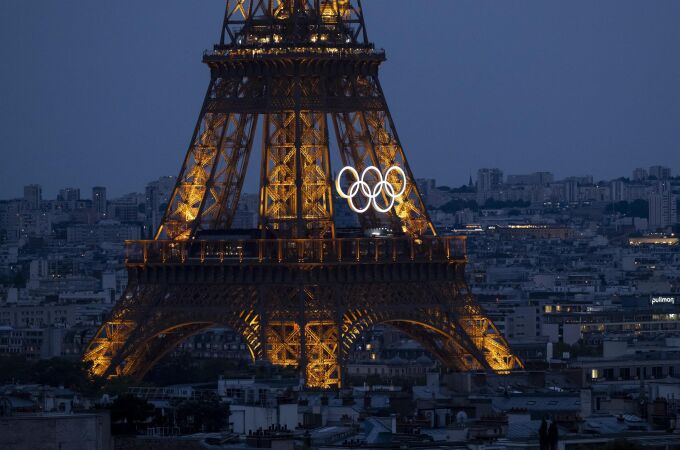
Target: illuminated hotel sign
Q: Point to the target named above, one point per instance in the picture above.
(662, 300)
(360, 186)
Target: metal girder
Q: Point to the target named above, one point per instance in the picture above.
(368, 137)
(249, 22)
(296, 188)
(209, 184)
(296, 196)
(293, 62)
(410, 208)
(303, 298)
(356, 150)
(134, 336)
(283, 343)
(309, 326)
(322, 341)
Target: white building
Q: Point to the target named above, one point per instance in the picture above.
(619, 191)
(488, 180)
(33, 196)
(157, 196)
(660, 172)
(639, 174)
(245, 419)
(662, 208)
(99, 200)
(104, 231)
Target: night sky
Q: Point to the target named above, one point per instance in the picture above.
(107, 93)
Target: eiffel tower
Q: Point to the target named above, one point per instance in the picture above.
(298, 289)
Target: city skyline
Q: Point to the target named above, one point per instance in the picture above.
(493, 262)
(85, 191)
(560, 87)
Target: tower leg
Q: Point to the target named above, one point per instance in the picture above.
(209, 184)
(368, 137)
(296, 195)
(152, 318)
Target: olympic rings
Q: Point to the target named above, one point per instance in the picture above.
(360, 185)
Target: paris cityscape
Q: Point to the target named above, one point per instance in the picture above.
(580, 276)
(337, 290)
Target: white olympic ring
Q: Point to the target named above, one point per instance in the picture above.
(383, 186)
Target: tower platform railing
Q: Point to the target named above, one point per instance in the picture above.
(301, 251)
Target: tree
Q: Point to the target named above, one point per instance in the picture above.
(207, 415)
(128, 412)
(118, 385)
(637, 208)
(553, 435)
(181, 367)
(459, 205)
(19, 279)
(500, 204)
(622, 444)
(70, 373)
(61, 372)
(543, 435)
(462, 189)
(175, 369)
(15, 369)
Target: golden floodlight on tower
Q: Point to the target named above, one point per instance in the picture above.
(383, 187)
(298, 290)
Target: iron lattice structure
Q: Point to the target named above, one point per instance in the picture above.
(298, 293)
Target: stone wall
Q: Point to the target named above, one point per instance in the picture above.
(56, 432)
(143, 443)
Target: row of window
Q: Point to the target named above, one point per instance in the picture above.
(627, 373)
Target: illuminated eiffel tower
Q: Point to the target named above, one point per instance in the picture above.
(299, 290)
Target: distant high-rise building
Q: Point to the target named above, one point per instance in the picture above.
(571, 190)
(583, 180)
(33, 196)
(618, 191)
(519, 179)
(157, 195)
(69, 194)
(99, 200)
(124, 211)
(639, 174)
(489, 179)
(660, 172)
(243, 219)
(425, 187)
(250, 202)
(543, 178)
(662, 207)
(246, 212)
(533, 179)
(10, 212)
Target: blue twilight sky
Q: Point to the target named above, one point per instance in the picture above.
(107, 92)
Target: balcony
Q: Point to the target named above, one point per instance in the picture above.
(297, 251)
